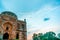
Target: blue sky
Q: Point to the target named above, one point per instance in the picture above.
(41, 15)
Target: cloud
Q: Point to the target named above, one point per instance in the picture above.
(28, 5)
(44, 30)
(35, 11)
(37, 25)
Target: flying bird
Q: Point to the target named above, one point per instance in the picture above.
(46, 19)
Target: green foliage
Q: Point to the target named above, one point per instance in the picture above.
(35, 37)
(59, 35)
(16, 39)
(47, 36)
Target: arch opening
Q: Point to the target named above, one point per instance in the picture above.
(17, 36)
(5, 36)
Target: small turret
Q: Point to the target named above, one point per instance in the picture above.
(24, 20)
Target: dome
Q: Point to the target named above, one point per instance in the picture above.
(9, 13)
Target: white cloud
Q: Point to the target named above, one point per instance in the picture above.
(37, 25)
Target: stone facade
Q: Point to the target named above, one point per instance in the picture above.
(12, 28)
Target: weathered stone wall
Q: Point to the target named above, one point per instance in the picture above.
(12, 26)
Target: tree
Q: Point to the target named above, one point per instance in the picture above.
(35, 37)
(40, 36)
(46, 36)
(59, 35)
(49, 35)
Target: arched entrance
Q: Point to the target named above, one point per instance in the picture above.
(5, 36)
(17, 36)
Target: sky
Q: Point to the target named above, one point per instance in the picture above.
(41, 15)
